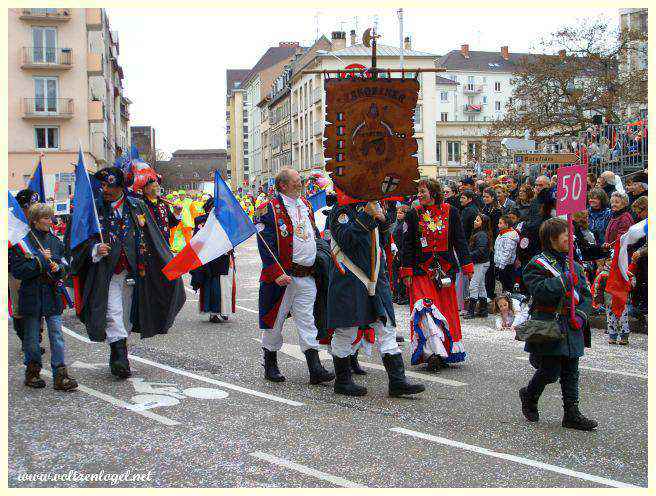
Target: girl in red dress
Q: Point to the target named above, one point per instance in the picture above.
(434, 250)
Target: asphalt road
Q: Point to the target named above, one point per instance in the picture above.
(198, 413)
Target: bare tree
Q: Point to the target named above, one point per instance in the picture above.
(581, 75)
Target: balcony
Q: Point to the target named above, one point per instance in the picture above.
(46, 58)
(51, 15)
(294, 108)
(295, 137)
(317, 127)
(95, 111)
(48, 108)
(125, 113)
(316, 95)
(472, 89)
(472, 109)
(94, 64)
(93, 19)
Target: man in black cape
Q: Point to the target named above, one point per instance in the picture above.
(119, 280)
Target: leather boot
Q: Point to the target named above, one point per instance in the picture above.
(471, 309)
(118, 359)
(529, 405)
(62, 381)
(318, 373)
(355, 365)
(343, 381)
(271, 371)
(398, 385)
(482, 307)
(435, 363)
(573, 419)
(33, 376)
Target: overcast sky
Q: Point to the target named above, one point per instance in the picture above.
(175, 59)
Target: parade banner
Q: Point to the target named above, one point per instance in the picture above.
(369, 137)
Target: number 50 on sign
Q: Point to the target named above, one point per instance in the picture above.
(572, 189)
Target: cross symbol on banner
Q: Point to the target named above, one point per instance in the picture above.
(390, 184)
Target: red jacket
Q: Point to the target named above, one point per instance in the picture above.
(618, 225)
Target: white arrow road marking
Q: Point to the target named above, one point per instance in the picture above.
(338, 481)
(294, 350)
(196, 376)
(122, 404)
(595, 369)
(517, 459)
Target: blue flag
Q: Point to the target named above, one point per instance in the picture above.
(18, 226)
(36, 183)
(236, 223)
(84, 222)
(318, 200)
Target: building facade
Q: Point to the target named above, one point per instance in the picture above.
(144, 138)
(236, 126)
(280, 130)
(637, 58)
(190, 170)
(65, 91)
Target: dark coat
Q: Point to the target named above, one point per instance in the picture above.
(349, 303)
(39, 295)
(548, 292)
(156, 301)
(468, 215)
(598, 222)
(494, 214)
(323, 265)
(479, 247)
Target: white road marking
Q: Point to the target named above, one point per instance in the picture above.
(196, 376)
(122, 404)
(517, 459)
(595, 369)
(294, 350)
(248, 309)
(338, 481)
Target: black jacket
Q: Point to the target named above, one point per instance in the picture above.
(479, 247)
(39, 295)
(468, 215)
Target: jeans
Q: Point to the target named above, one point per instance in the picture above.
(477, 283)
(549, 370)
(31, 348)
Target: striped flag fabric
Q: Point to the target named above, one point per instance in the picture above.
(18, 225)
(226, 227)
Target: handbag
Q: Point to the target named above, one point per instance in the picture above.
(538, 331)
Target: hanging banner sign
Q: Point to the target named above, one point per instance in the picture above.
(545, 158)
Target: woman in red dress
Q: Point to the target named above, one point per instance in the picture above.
(434, 250)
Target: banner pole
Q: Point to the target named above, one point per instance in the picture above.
(271, 252)
(570, 223)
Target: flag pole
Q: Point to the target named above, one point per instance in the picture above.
(271, 252)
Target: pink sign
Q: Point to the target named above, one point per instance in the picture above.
(572, 189)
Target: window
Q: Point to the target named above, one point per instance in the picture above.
(471, 118)
(46, 137)
(45, 94)
(45, 44)
(417, 118)
(497, 86)
(420, 151)
(444, 116)
(438, 152)
(474, 150)
(497, 106)
(453, 151)
(444, 96)
(484, 99)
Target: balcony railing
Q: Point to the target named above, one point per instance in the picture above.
(317, 128)
(49, 14)
(48, 108)
(472, 88)
(472, 109)
(47, 57)
(125, 113)
(316, 95)
(295, 108)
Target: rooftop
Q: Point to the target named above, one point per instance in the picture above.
(234, 77)
(381, 51)
(481, 61)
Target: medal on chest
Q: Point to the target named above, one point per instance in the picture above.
(283, 228)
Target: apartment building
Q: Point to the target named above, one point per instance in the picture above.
(637, 58)
(65, 91)
(280, 130)
(236, 126)
(471, 93)
(308, 96)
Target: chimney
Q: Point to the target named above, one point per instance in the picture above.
(288, 44)
(561, 54)
(338, 40)
(353, 37)
(407, 43)
(464, 50)
(504, 53)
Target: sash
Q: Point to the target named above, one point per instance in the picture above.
(340, 258)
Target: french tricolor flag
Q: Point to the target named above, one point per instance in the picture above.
(227, 226)
(18, 226)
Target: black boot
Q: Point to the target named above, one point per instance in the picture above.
(471, 309)
(344, 382)
(398, 385)
(318, 373)
(529, 405)
(33, 376)
(482, 307)
(573, 419)
(118, 359)
(355, 365)
(400, 338)
(271, 371)
(435, 363)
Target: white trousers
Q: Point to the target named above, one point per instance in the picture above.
(299, 300)
(341, 344)
(119, 301)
